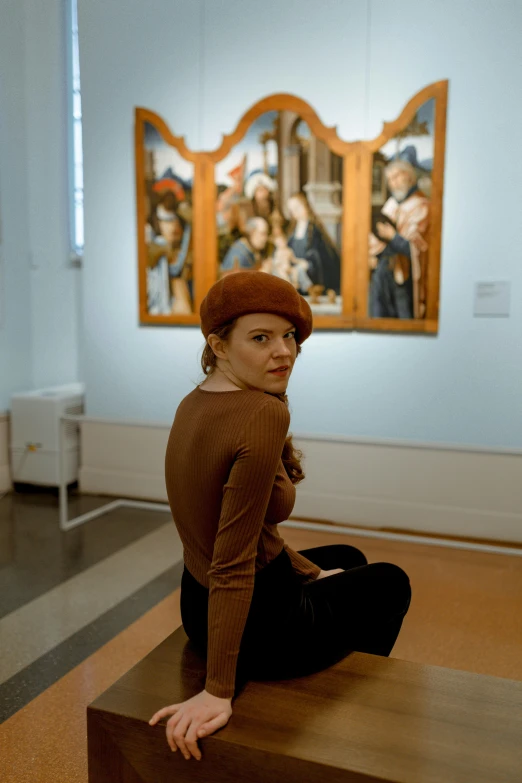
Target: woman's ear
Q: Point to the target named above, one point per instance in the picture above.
(217, 346)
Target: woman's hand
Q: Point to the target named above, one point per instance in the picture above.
(329, 573)
(197, 717)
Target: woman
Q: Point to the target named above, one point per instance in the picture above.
(310, 241)
(254, 607)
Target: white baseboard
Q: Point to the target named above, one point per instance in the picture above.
(446, 491)
(439, 490)
(415, 517)
(5, 473)
(123, 460)
(118, 483)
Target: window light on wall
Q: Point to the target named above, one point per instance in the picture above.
(75, 136)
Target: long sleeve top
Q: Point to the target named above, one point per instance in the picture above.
(228, 490)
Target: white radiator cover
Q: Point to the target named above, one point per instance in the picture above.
(35, 434)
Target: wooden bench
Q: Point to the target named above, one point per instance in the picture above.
(367, 718)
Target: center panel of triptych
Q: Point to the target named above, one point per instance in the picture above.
(279, 208)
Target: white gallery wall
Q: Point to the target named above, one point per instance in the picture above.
(200, 65)
(55, 284)
(414, 431)
(15, 298)
(39, 291)
(403, 431)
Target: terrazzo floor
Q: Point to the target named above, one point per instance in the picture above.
(80, 608)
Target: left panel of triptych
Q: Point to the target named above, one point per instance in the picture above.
(165, 235)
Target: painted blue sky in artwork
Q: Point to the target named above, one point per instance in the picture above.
(263, 123)
(166, 156)
(250, 146)
(418, 149)
(423, 146)
(153, 138)
(426, 113)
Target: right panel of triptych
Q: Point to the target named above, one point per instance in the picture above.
(403, 251)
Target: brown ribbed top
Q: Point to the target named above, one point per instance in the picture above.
(228, 490)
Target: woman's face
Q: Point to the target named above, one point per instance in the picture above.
(259, 343)
(297, 209)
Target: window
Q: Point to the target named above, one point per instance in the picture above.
(75, 135)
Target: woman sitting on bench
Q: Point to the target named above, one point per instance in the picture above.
(253, 607)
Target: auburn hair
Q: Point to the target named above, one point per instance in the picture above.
(291, 456)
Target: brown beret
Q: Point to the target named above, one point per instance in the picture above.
(250, 291)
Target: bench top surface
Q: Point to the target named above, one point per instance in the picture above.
(384, 717)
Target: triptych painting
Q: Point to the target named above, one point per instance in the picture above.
(355, 227)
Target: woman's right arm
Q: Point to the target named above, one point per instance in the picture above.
(245, 499)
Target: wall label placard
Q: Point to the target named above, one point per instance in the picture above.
(492, 299)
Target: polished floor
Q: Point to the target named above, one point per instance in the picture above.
(78, 609)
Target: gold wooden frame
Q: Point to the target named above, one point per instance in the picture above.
(357, 182)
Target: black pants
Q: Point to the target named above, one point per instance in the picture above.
(294, 629)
